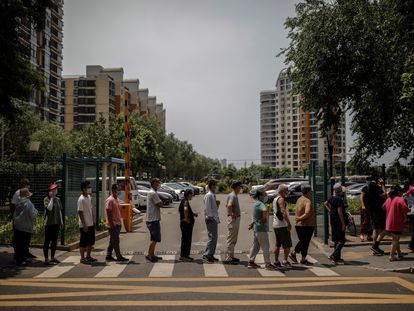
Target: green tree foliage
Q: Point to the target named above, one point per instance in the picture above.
(18, 77)
(351, 55)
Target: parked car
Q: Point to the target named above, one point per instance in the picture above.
(272, 184)
(196, 190)
(166, 198)
(177, 186)
(353, 192)
(178, 192)
(170, 191)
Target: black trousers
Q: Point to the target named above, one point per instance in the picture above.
(114, 241)
(51, 237)
(338, 237)
(305, 235)
(21, 245)
(186, 237)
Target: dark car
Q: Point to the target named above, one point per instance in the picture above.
(196, 190)
(169, 191)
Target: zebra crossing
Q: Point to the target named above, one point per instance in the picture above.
(165, 268)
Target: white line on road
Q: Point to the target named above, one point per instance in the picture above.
(163, 269)
(263, 271)
(216, 269)
(61, 268)
(113, 269)
(318, 269)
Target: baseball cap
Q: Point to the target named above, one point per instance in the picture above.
(52, 187)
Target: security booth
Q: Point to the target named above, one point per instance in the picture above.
(101, 173)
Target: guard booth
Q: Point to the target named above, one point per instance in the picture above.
(101, 173)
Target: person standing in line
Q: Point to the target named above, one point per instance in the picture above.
(153, 218)
(233, 222)
(212, 219)
(305, 225)
(23, 219)
(53, 224)
(366, 227)
(396, 210)
(24, 183)
(335, 206)
(86, 224)
(186, 224)
(282, 227)
(113, 224)
(409, 195)
(375, 198)
(260, 229)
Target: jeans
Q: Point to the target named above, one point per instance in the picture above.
(305, 236)
(261, 240)
(186, 237)
(212, 229)
(51, 237)
(114, 241)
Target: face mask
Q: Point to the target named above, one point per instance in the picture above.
(89, 190)
(265, 199)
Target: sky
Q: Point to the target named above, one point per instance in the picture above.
(207, 61)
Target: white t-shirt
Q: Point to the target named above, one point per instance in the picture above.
(85, 206)
(153, 212)
(16, 197)
(276, 222)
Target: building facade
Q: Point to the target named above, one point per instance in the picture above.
(290, 137)
(44, 50)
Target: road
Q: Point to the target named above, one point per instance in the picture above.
(173, 284)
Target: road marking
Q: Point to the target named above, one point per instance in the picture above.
(318, 269)
(217, 269)
(113, 269)
(267, 273)
(163, 269)
(61, 268)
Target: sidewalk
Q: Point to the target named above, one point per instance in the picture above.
(356, 252)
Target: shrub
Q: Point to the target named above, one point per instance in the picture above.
(354, 206)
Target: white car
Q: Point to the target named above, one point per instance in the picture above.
(179, 192)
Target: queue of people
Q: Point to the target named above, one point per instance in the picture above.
(387, 215)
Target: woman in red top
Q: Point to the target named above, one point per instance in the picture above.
(397, 210)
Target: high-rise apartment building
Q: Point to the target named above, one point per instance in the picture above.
(44, 50)
(290, 137)
(103, 92)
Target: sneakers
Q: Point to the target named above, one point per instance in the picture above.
(395, 258)
(158, 258)
(54, 260)
(269, 266)
(231, 261)
(214, 258)
(122, 259)
(286, 264)
(208, 259)
(151, 259)
(277, 265)
(85, 261)
(305, 262)
(110, 258)
(292, 257)
(30, 255)
(377, 251)
(91, 259)
(186, 259)
(332, 260)
(48, 262)
(252, 265)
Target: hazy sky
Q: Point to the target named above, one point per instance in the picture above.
(207, 61)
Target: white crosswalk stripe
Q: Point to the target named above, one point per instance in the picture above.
(216, 269)
(267, 273)
(56, 271)
(163, 269)
(318, 269)
(113, 269)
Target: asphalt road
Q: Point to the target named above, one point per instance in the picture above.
(171, 284)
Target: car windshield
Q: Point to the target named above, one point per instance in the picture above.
(140, 187)
(175, 186)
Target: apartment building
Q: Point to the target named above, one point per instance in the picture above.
(44, 50)
(143, 101)
(160, 115)
(289, 136)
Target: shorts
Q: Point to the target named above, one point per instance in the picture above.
(155, 230)
(283, 237)
(87, 238)
(395, 232)
(378, 219)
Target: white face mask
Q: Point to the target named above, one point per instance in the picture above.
(89, 190)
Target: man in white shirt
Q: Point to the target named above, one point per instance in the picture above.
(153, 218)
(86, 224)
(212, 220)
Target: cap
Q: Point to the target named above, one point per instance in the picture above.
(24, 193)
(235, 184)
(52, 187)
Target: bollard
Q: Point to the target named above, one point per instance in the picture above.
(126, 214)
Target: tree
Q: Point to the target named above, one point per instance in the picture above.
(351, 55)
(18, 77)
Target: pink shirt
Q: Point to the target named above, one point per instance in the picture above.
(112, 206)
(409, 192)
(396, 213)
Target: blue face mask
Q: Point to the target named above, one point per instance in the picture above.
(265, 199)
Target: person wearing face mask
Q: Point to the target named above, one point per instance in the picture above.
(86, 224)
(23, 220)
(53, 223)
